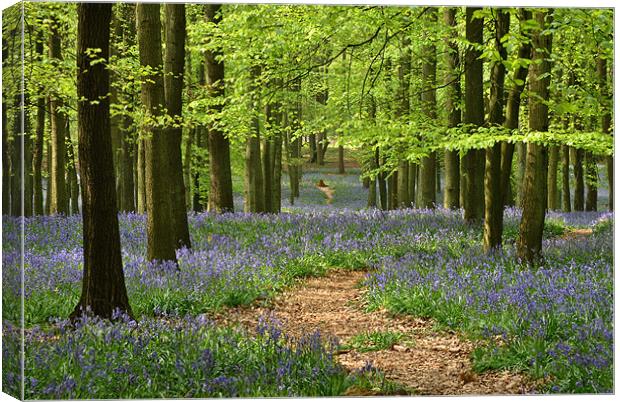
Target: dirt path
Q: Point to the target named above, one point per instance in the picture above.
(427, 361)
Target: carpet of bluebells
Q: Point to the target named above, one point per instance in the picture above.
(553, 321)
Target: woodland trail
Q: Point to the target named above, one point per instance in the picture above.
(425, 361)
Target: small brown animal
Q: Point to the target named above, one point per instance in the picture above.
(321, 183)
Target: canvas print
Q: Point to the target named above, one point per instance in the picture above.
(232, 200)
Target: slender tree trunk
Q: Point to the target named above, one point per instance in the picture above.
(220, 193)
(48, 182)
(254, 185)
(472, 164)
(381, 183)
(412, 185)
(187, 169)
(453, 99)
(174, 69)
(58, 196)
(579, 182)
(529, 243)
(566, 207)
(513, 105)
(103, 283)
(16, 165)
(116, 121)
(402, 112)
(294, 167)
(37, 160)
(6, 157)
(428, 165)
(160, 238)
(553, 197)
(72, 181)
(141, 176)
(493, 190)
(276, 199)
(601, 70)
(341, 160)
(591, 182)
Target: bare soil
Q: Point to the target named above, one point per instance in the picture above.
(426, 361)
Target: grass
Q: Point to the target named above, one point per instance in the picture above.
(373, 341)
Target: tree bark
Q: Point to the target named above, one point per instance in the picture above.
(58, 196)
(174, 69)
(591, 182)
(254, 186)
(220, 192)
(16, 160)
(453, 99)
(578, 198)
(472, 164)
(601, 70)
(493, 190)
(74, 193)
(402, 112)
(294, 166)
(341, 169)
(428, 164)
(566, 207)
(160, 239)
(141, 177)
(6, 156)
(553, 196)
(37, 158)
(529, 243)
(513, 105)
(103, 283)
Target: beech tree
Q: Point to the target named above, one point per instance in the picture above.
(103, 283)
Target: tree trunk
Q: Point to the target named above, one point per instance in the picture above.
(6, 157)
(74, 193)
(16, 165)
(141, 176)
(566, 207)
(27, 162)
(313, 148)
(294, 167)
(37, 160)
(402, 112)
(472, 163)
(493, 190)
(103, 283)
(160, 239)
(591, 182)
(428, 165)
(174, 69)
(48, 183)
(553, 197)
(341, 160)
(116, 121)
(529, 243)
(220, 192)
(453, 99)
(513, 105)
(276, 199)
(254, 185)
(601, 70)
(58, 196)
(381, 183)
(579, 185)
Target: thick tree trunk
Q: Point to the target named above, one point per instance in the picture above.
(493, 190)
(294, 145)
(553, 197)
(453, 99)
(160, 239)
(58, 196)
(473, 162)
(174, 69)
(254, 185)
(220, 192)
(103, 283)
(591, 182)
(513, 105)
(428, 165)
(529, 243)
(566, 207)
(402, 185)
(313, 148)
(578, 198)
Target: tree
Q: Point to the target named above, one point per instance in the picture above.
(529, 242)
(472, 164)
(103, 284)
(37, 155)
(601, 70)
(58, 194)
(453, 82)
(220, 193)
(400, 183)
(160, 239)
(493, 191)
(428, 165)
(174, 64)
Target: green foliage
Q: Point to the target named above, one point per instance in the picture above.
(373, 341)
